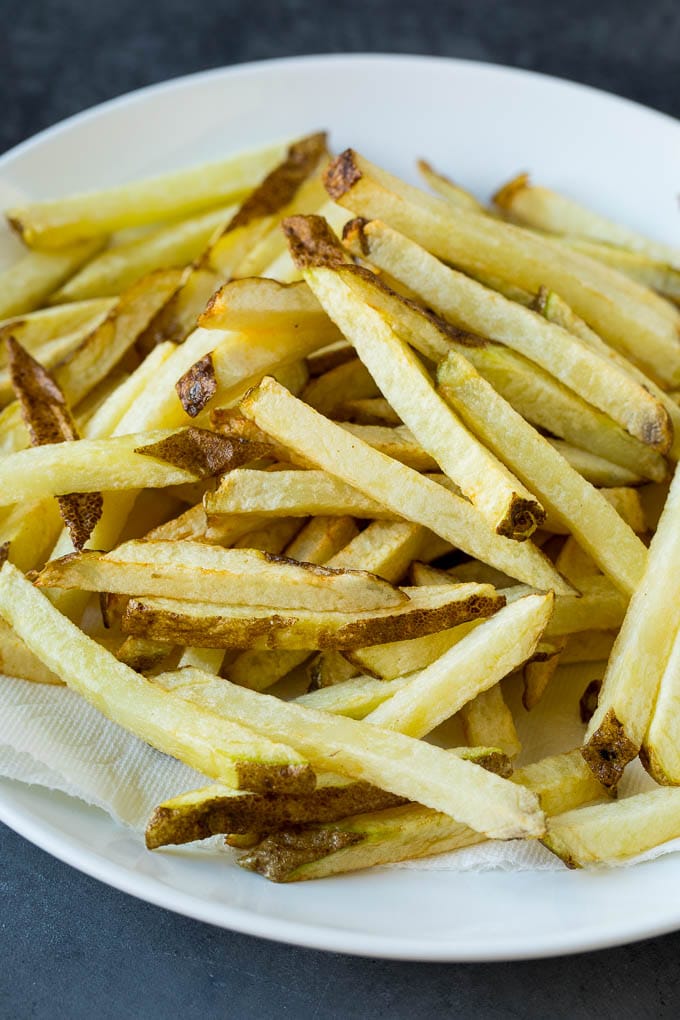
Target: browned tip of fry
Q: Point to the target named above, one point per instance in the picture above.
(609, 750)
(540, 302)
(522, 518)
(4, 552)
(39, 395)
(197, 386)
(495, 761)
(277, 857)
(354, 233)
(202, 452)
(587, 705)
(280, 186)
(504, 196)
(260, 778)
(657, 430)
(312, 243)
(80, 512)
(341, 174)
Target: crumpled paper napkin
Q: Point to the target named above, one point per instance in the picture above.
(50, 737)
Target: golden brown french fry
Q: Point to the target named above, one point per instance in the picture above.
(322, 538)
(615, 830)
(205, 740)
(649, 272)
(395, 486)
(627, 316)
(640, 655)
(350, 381)
(36, 328)
(258, 305)
(57, 222)
(396, 763)
(211, 625)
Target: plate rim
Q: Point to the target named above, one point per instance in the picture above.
(24, 821)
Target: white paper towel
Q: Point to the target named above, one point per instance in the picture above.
(50, 737)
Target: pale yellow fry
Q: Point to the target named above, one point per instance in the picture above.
(627, 316)
(508, 507)
(392, 761)
(476, 663)
(119, 266)
(58, 222)
(640, 656)
(488, 717)
(575, 503)
(616, 830)
(203, 739)
(395, 486)
(597, 470)
(354, 698)
(471, 306)
(322, 538)
(26, 284)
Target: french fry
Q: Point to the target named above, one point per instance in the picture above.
(368, 411)
(616, 830)
(27, 283)
(213, 625)
(257, 305)
(476, 663)
(57, 222)
(224, 750)
(649, 272)
(575, 564)
(640, 656)
(391, 761)
(197, 572)
(589, 646)
(328, 668)
(448, 190)
(597, 470)
(395, 486)
(142, 654)
(355, 697)
(216, 809)
(36, 328)
(105, 420)
(17, 660)
(470, 306)
(350, 381)
(411, 831)
(120, 266)
(210, 660)
(540, 669)
(322, 538)
(550, 211)
(394, 442)
(501, 499)
(31, 532)
(624, 500)
(272, 538)
(626, 315)
(51, 427)
(565, 494)
(488, 714)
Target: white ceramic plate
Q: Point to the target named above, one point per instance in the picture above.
(481, 123)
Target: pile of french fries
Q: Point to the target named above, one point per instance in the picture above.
(299, 463)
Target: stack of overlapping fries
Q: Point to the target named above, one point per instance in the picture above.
(299, 461)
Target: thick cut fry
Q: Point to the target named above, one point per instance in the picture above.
(256, 305)
(448, 190)
(217, 809)
(142, 654)
(88, 465)
(51, 427)
(398, 443)
(212, 625)
(659, 752)
(30, 281)
(470, 306)
(411, 831)
(565, 494)
(347, 382)
(398, 764)
(627, 316)
(368, 411)
(322, 538)
(614, 831)
(547, 210)
(17, 660)
(597, 470)
(36, 328)
(395, 486)
(120, 266)
(58, 222)
(473, 665)
(488, 716)
(272, 538)
(500, 498)
(223, 750)
(649, 272)
(327, 668)
(625, 501)
(196, 572)
(640, 655)
(30, 532)
(354, 698)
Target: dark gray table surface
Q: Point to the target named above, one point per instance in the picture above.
(71, 947)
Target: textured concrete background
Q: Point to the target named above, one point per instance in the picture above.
(70, 947)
